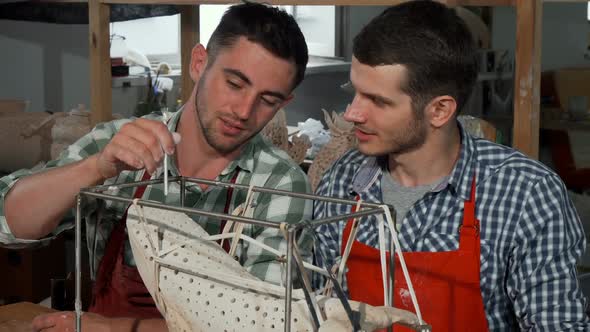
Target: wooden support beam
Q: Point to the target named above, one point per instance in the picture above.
(527, 82)
(189, 36)
(479, 3)
(100, 62)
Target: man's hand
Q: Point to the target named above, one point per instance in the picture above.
(139, 144)
(65, 321)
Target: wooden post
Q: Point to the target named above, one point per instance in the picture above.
(527, 75)
(100, 62)
(189, 36)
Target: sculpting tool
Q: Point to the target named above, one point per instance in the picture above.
(165, 120)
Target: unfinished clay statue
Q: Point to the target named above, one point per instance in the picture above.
(197, 286)
(277, 133)
(341, 140)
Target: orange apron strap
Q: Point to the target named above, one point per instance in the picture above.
(469, 230)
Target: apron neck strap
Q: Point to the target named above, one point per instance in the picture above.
(230, 191)
(140, 190)
(469, 219)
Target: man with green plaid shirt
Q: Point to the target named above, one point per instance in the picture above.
(254, 60)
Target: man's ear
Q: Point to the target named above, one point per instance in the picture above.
(441, 110)
(198, 62)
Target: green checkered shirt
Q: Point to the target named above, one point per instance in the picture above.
(260, 164)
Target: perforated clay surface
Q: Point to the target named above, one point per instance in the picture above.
(197, 285)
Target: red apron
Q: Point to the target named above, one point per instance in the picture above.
(446, 283)
(119, 290)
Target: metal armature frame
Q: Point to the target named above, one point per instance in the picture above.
(98, 192)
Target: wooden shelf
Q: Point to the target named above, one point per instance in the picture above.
(487, 3)
(526, 76)
(312, 2)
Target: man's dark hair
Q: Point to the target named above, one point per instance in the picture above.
(268, 26)
(431, 42)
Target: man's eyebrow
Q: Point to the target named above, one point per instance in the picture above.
(274, 94)
(245, 78)
(377, 97)
(238, 74)
(349, 86)
(382, 99)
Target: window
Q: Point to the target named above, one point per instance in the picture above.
(316, 22)
(159, 37)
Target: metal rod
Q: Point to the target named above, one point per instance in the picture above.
(165, 120)
(282, 192)
(182, 191)
(307, 285)
(331, 219)
(235, 186)
(222, 216)
(78, 245)
(215, 215)
(392, 265)
(279, 192)
(391, 278)
(129, 184)
(289, 287)
(392, 258)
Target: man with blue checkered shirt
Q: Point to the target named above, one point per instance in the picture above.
(489, 236)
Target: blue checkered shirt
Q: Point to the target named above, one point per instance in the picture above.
(531, 235)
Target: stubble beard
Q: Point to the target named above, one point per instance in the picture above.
(411, 138)
(406, 140)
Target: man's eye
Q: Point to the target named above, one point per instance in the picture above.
(233, 85)
(270, 103)
(377, 101)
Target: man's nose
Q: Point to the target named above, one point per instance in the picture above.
(245, 108)
(354, 112)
